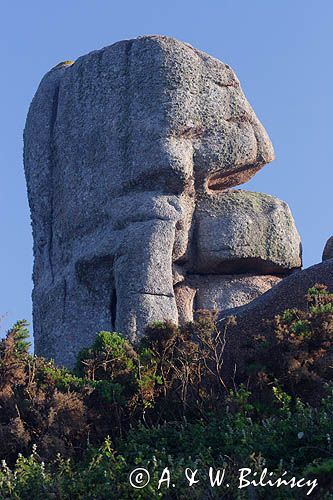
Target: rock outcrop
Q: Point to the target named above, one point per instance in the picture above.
(252, 319)
(129, 155)
(328, 250)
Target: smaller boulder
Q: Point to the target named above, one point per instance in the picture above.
(242, 232)
(219, 292)
(223, 292)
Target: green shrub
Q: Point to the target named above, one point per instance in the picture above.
(295, 439)
(298, 353)
(164, 403)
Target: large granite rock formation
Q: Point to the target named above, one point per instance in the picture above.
(129, 154)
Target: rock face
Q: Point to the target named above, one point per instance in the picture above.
(240, 231)
(328, 250)
(129, 153)
(219, 292)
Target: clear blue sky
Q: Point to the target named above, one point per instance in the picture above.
(281, 51)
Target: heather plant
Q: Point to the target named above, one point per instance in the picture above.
(33, 408)
(297, 355)
(164, 402)
(296, 439)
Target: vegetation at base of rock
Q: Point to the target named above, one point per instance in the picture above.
(299, 356)
(301, 435)
(165, 403)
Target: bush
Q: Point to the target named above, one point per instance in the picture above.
(164, 403)
(34, 406)
(298, 357)
(295, 439)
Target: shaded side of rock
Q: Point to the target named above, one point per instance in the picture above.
(185, 302)
(328, 250)
(252, 318)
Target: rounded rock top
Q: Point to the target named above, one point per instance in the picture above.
(328, 250)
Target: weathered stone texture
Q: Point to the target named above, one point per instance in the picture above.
(223, 292)
(128, 153)
(240, 231)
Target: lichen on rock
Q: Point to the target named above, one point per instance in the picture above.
(129, 157)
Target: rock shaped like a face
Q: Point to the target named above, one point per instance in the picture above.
(120, 147)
